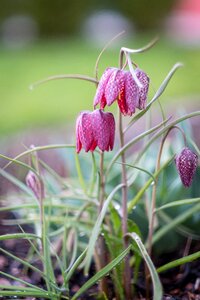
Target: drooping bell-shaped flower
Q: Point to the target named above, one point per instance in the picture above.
(94, 129)
(116, 84)
(33, 182)
(186, 164)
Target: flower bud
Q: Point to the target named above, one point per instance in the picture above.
(186, 164)
(33, 182)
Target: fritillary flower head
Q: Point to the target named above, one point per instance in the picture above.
(33, 182)
(186, 164)
(95, 129)
(116, 84)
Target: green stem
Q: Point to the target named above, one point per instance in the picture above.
(127, 271)
(101, 247)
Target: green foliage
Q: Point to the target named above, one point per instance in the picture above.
(74, 218)
(52, 103)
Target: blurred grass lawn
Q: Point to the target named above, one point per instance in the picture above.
(61, 100)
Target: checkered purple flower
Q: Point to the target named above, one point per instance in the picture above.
(116, 84)
(95, 129)
(186, 164)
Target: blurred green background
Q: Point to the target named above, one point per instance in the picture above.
(61, 46)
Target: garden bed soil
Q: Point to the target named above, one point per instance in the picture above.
(181, 283)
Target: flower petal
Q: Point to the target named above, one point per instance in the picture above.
(111, 125)
(78, 140)
(101, 87)
(131, 93)
(143, 92)
(122, 102)
(114, 86)
(101, 130)
(85, 133)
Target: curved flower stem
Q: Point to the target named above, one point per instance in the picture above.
(139, 50)
(64, 76)
(127, 270)
(41, 192)
(102, 51)
(153, 200)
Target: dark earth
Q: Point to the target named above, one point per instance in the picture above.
(182, 282)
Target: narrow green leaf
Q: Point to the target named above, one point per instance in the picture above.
(21, 281)
(22, 261)
(46, 247)
(164, 130)
(178, 203)
(132, 142)
(97, 228)
(18, 162)
(94, 174)
(39, 148)
(26, 293)
(75, 266)
(75, 248)
(178, 220)
(157, 287)
(179, 262)
(101, 273)
(157, 94)
(141, 192)
(80, 175)
(182, 229)
(17, 182)
(138, 168)
(18, 236)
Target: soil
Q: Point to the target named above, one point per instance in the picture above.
(179, 283)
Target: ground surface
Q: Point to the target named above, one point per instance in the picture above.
(182, 283)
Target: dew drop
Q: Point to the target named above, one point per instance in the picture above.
(117, 206)
(81, 234)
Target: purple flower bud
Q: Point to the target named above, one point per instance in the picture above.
(143, 92)
(94, 129)
(116, 84)
(34, 184)
(186, 164)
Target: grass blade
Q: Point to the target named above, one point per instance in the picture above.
(157, 94)
(157, 287)
(97, 228)
(80, 175)
(178, 220)
(35, 149)
(179, 262)
(165, 129)
(141, 192)
(134, 141)
(178, 203)
(22, 281)
(18, 236)
(138, 168)
(22, 261)
(17, 182)
(75, 266)
(101, 273)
